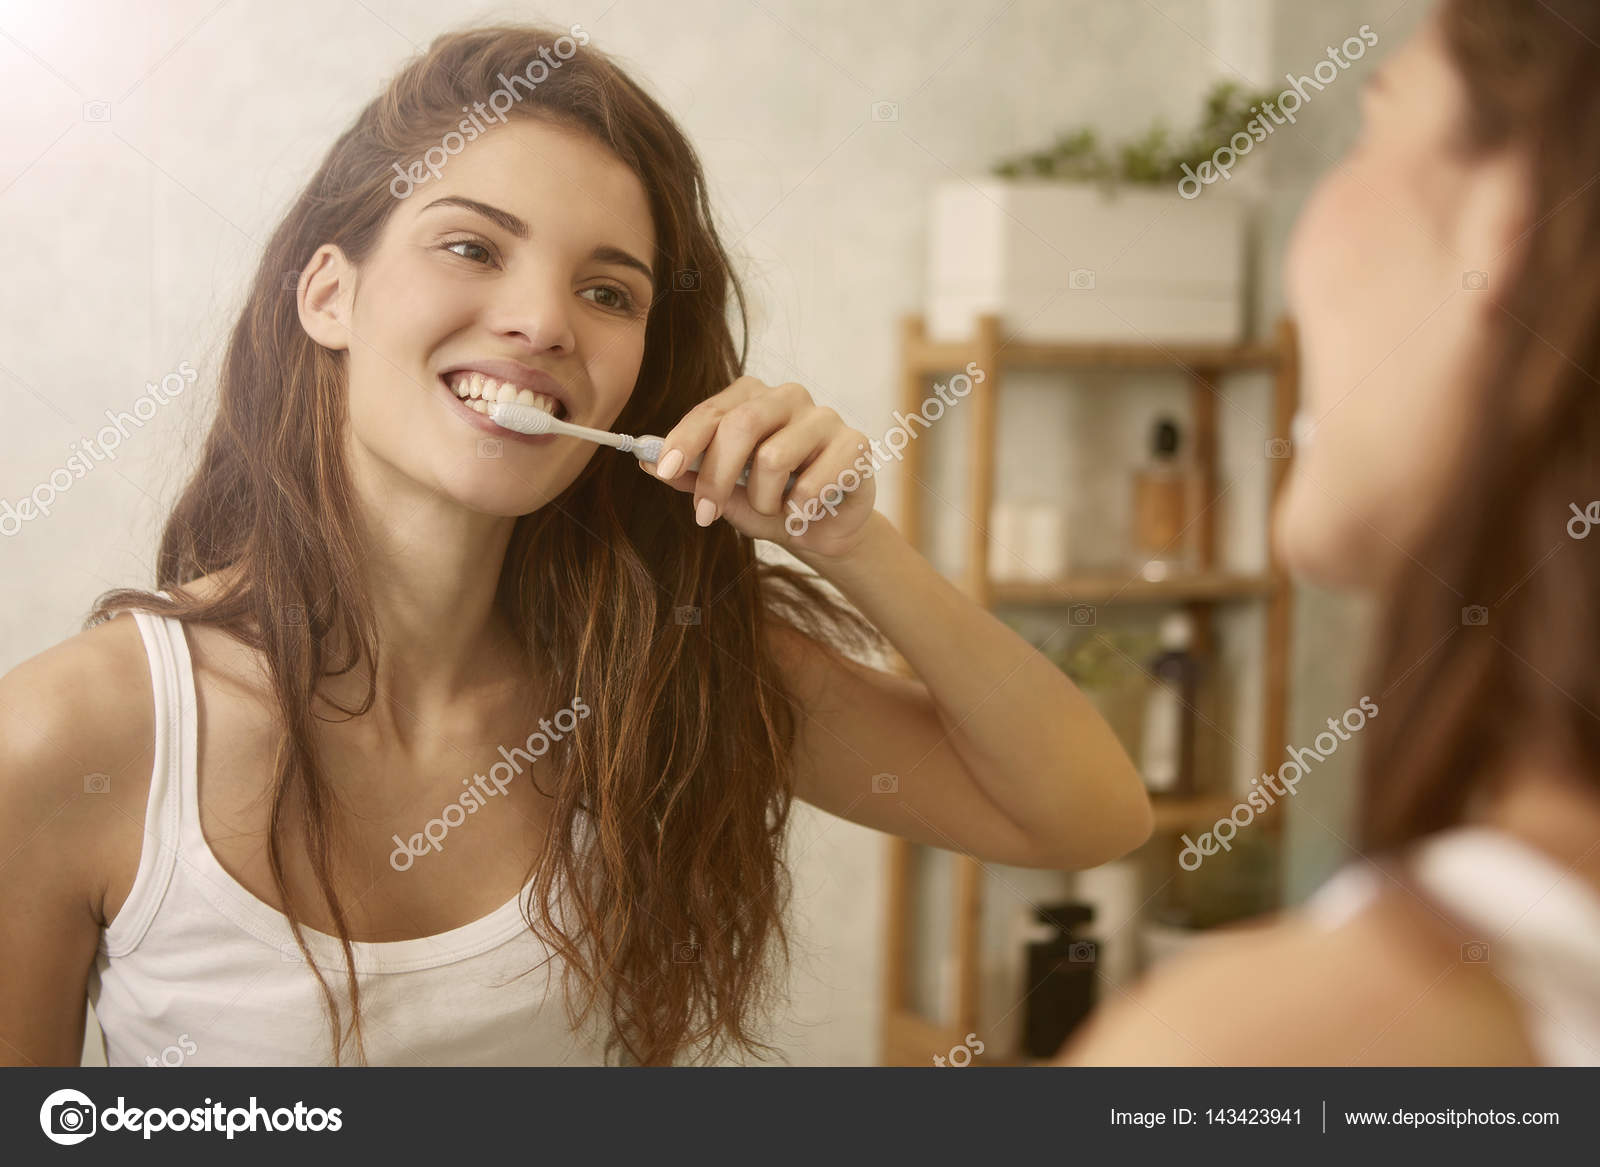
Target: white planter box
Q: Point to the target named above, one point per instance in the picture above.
(1067, 262)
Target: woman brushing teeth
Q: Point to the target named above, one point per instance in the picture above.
(483, 383)
(375, 592)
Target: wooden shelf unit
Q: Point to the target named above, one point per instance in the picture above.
(1109, 591)
(908, 1037)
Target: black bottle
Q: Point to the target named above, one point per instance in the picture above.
(1061, 980)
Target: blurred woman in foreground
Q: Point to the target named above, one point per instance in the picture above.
(1446, 281)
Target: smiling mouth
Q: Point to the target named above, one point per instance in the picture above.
(477, 392)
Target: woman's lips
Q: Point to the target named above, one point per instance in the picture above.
(483, 422)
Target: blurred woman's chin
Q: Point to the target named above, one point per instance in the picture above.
(1314, 546)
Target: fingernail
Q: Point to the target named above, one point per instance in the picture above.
(669, 465)
(705, 511)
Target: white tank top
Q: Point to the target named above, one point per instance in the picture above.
(1537, 923)
(196, 970)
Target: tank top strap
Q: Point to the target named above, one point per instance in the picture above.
(1536, 923)
(173, 730)
(1513, 894)
(192, 844)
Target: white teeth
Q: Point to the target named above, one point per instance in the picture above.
(479, 392)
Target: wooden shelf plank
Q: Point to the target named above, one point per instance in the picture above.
(1175, 815)
(912, 1040)
(931, 356)
(1115, 590)
(1023, 354)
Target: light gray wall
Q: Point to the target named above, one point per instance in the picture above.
(127, 243)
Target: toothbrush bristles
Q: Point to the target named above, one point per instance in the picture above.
(522, 418)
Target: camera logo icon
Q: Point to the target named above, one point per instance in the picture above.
(1278, 448)
(97, 111)
(67, 1117)
(1475, 952)
(885, 111)
(686, 614)
(1475, 615)
(687, 280)
(1475, 281)
(685, 952)
(1081, 615)
(490, 447)
(97, 783)
(885, 783)
(1083, 952)
(1081, 279)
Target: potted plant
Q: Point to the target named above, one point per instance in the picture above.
(1083, 243)
(1106, 664)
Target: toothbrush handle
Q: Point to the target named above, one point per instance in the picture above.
(648, 449)
(744, 475)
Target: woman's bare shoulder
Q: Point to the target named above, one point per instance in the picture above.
(1388, 986)
(80, 699)
(76, 748)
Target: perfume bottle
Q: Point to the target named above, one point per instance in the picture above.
(1061, 978)
(1163, 501)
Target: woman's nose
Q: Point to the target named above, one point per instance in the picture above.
(541, 314)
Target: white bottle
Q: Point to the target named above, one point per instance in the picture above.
(1167, 749)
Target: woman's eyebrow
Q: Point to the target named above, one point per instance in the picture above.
(504, 219)
(516, 227)
(605, 253)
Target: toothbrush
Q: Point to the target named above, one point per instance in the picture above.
(525, 419)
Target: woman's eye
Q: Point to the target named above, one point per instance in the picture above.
(615, 298)
(472, 243)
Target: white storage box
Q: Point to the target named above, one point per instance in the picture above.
(1068, 262)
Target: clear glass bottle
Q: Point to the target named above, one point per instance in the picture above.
(1163, 502)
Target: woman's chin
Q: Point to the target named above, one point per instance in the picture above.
(507, 508)
(1317, 548)
(496, 499)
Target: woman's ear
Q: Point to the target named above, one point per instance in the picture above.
(327, 288)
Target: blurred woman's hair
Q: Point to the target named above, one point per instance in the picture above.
(1490, 637)
(670, 921)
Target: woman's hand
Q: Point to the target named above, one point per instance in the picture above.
(779, 430)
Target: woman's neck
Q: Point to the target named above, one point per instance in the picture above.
(431, 570)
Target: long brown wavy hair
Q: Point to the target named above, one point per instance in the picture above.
(674, 915)
(1490, 637)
